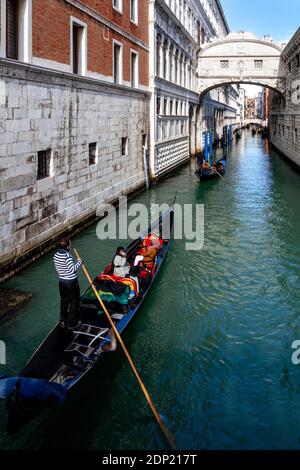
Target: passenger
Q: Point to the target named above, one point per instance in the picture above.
(121, 267)
(141, 273)
(149, 253)
(156, 241)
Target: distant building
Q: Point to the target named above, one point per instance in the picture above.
(250, 108)
(285, 110)
(178, 29)
(259, 106)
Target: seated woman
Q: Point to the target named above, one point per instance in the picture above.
(149, 253)
(120, 265)
(156, 242)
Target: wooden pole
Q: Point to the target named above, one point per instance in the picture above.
(170, 438)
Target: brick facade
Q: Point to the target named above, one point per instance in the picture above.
(51, 34)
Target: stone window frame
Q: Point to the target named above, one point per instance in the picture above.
(134, 12)
(136, 82)
(24, 31)
(258, 64)
(96, 153)
(118, 6)
(117, 43)
(49, 154)
(82, 68)
(124, 146)
(224, 64)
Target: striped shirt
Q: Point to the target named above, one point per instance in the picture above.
(65, 266)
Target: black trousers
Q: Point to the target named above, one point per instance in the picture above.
(69, 301)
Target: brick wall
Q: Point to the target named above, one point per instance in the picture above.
(51, 34)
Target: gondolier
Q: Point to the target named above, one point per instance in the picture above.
(67, 271)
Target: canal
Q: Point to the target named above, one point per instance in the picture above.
(213, 340)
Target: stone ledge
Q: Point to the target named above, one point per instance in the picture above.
(20, 71)
(17, 264)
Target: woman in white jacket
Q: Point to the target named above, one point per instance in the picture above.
(121, 267)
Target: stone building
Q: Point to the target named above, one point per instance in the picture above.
(178, 30)
(250, 111)
(74, 114)
(285, 110)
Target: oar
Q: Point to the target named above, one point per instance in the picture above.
(170, 438)
(214, 169)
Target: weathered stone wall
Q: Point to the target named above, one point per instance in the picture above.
(285, 110)
(42, 110)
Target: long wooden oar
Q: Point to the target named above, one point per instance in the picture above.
(167, 433)
(215, 170)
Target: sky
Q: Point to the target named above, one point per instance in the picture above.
(276, 18)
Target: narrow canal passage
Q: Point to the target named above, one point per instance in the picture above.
(213, 340)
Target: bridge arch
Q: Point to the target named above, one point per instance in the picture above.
(241, 58)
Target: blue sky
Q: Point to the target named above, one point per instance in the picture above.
(280, 19)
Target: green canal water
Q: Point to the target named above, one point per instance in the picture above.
(213, 339)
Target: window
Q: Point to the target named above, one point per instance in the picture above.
(93, 153)
(124, 149)
(258, 64)
(165, 107)
(171, 108)
(78, 48)
(117, 4)
(224, 64)
(158, 106)
(134, 69)
(44, 164)
(12, 8)
(298, 60)
(290, 66)
(117, 56)
(134, 11)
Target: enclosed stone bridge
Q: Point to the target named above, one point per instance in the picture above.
(241, 58)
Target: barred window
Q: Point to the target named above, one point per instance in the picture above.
(258, 64)
(44, 161)
(124, 148)
(93, 153)
(224, 64)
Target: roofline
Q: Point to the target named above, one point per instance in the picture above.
(218, 2)
(285, 50)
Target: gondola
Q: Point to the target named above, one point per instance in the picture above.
(209, 173)
(65, 357)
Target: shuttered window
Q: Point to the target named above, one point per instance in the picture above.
(12, 29)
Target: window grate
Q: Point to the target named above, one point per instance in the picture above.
(44, 159)
(93, 150)
(124, 146)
